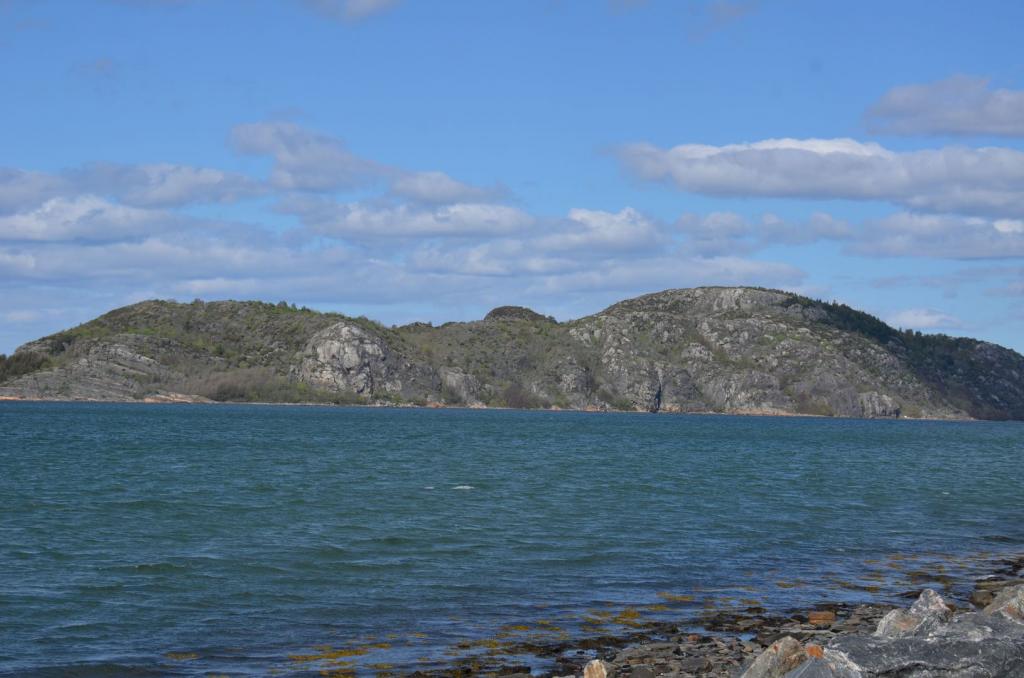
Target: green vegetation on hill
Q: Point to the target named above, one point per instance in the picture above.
(19, 364)
(705, 349)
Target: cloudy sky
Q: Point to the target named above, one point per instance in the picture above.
(430, 159)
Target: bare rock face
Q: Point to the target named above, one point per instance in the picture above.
(459, 387)
(345, 357)
(349, 358)
(873, 404)
(114, 370)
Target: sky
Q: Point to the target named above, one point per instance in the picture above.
(427, 160)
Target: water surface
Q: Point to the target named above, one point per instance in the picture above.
(250, 539)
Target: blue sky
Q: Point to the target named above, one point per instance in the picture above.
(428, 160)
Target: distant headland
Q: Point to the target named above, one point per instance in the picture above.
(710, 349)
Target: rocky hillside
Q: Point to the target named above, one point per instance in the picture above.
(693, 350)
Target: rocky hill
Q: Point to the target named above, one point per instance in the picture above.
(743, 350)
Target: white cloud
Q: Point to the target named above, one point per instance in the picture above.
(305, 160)
(163, 184)
(594, 231)
(438, 187)
(634, 276)
(85, 217)
(20, 189)
(728, 233)
(1009, 225)
(953, 179)
(939, 235)
(923, 319)
(958, 105)
(369, 221)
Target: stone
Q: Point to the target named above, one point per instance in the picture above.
(694, 664)
(642, 672)
(981, 597)
(821, 617)
(777, 660)
(1009, 602)
(924, 615)
(824, 668)
(596, 669)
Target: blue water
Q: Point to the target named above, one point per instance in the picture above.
(185, 539)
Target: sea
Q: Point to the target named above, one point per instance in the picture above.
(190, 540)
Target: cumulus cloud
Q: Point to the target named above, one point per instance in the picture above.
(595, 250)
(163, 184)
(940, 235)
(595, 231)
(20, 189)
(85, 217)
(438, 187)
(144, 185)
(657, 273)
(986, 181)
(958, 105)
(374, 221)
(729, 233)
(305, 160)
(902, 234)
(923, 319)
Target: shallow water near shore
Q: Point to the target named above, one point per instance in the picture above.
(183, 540)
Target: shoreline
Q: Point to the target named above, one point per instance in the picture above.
(181, 399)
(726, 643)
(717, 642)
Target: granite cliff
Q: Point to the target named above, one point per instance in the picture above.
(742, 350)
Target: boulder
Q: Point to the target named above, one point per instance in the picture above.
(597, 669)
(928, 641)
(1009, 602)
(780, 658)
(925, 614)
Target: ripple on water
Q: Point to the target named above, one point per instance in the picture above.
(188, 540)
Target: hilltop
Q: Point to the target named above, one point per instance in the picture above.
(712, 349)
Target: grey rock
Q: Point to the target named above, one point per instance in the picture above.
(927, 612)
(835, 666)
(1009, 602)
(777, 660)
(934, 644)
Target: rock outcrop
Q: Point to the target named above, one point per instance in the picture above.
(926, 641)
(738, 350)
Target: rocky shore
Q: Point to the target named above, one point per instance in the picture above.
(981, 636)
